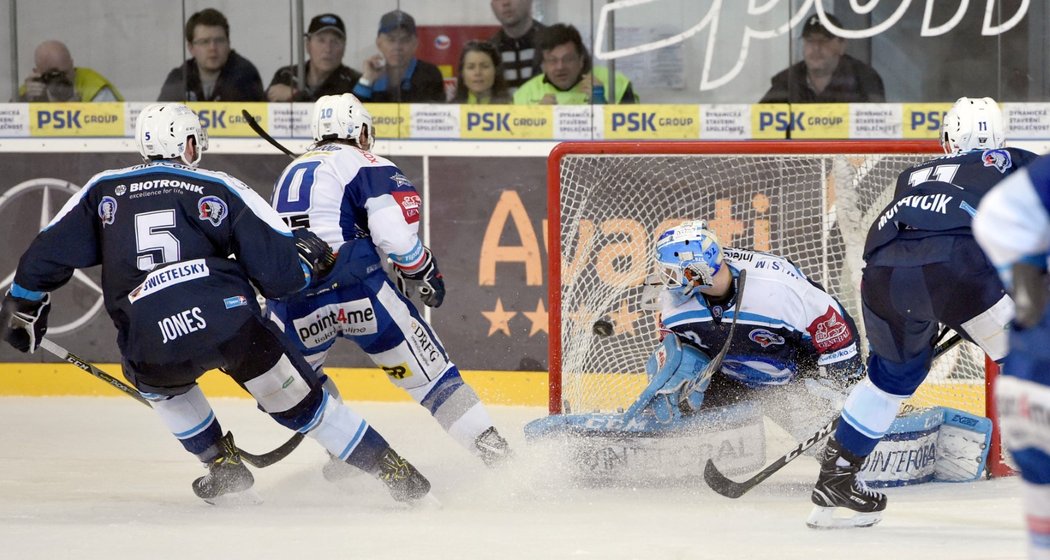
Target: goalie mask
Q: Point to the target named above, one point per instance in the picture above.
(163, 128)
(972, 124)
(343, 117)
(689, 256)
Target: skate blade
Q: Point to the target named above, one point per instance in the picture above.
(336, 471)
(243, 498)
(824, 518)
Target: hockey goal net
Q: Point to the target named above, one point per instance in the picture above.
(811, 202)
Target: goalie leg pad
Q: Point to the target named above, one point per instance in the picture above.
(940, 443)
(190, 418)
(673, 370)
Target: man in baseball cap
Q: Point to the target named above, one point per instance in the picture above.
(826, 73)
(325, 43)
(395, 74)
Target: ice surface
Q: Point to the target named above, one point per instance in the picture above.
(91, 478)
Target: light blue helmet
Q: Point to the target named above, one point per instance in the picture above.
(689, 255)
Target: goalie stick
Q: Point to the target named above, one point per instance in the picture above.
(258, 461)
(256, 128)
(732, 489)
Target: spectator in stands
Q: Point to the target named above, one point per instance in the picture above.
(54, 78)
(480, 78)
(568, 77)
(826, 74)
(516, 40)
(215, 73)
(396, 75)
(325, 74)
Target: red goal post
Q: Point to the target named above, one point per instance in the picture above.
(809, 201)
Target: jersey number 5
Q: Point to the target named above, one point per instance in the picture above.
(152, 235)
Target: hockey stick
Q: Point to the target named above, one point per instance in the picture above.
(254, 124)
(258, 461)
(732, 489)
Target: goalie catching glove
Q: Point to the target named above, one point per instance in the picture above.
(24, 321)
(425, 279)
(316, 255)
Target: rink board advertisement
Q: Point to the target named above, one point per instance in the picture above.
(486, 228)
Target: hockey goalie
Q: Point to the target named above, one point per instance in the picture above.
(745, 336)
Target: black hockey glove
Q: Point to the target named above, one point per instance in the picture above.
(1030, 294)
(24, 322)
(314, 253)
(426, 280)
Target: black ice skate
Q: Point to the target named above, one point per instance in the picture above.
(492, 448)
(228, 481)
(405, 483)
(336, 469)
(838, 487)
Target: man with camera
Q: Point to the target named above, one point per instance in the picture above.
(54, 78)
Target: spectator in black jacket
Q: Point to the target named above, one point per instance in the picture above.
(516, 41)
(215, 73)
(396, 75)
(826, 74)
(325, 72)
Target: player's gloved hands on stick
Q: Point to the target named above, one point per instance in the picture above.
(315, 254)
(426, 280)
(24, 321)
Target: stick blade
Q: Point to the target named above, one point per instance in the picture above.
(720, 484)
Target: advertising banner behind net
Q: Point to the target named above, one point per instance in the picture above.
(486, 223)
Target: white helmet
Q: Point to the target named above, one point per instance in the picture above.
(163, 128)
(342, 116)
(689, 255)
(972, 124)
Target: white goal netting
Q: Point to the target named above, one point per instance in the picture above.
(814, 209)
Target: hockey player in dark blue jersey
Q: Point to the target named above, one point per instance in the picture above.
(1013, 227)
(164, 233)
(923, 269)
(360, 204)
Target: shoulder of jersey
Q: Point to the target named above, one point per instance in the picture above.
(759, 262)
(363, 158)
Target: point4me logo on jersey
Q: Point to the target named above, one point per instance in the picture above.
(643, 121)
(829, 331)
(351, 318)
(76, 119)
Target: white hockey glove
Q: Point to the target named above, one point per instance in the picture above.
(426, 280)
(24, 321)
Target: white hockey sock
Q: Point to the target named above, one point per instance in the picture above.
(469, 426)
(871, 410)
(338, 428)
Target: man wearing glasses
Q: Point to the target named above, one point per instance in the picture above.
(215, 73)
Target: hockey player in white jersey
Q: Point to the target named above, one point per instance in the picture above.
(361, 203)
(182, 306)
(1012, 225)
(923, 269)
(791, 334)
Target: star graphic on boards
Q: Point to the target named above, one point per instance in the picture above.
(538, 318)
(499, 318)
(623, 319)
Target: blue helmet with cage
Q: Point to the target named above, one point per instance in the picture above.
(689, 255)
